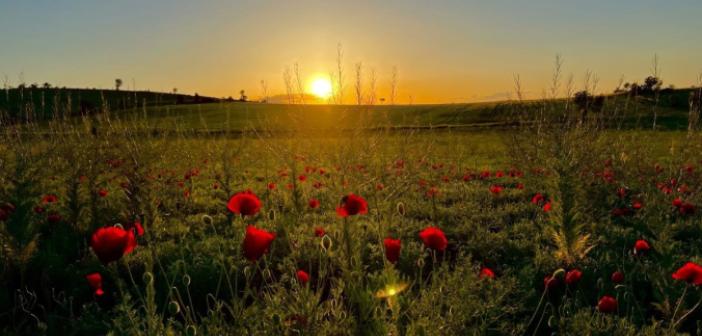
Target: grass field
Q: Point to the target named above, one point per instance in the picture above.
(553, 225)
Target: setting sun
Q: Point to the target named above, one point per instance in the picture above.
(321, 87)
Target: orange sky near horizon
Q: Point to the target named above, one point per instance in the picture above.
(446, 51)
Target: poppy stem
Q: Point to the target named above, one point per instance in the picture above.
(347, 239)
(536, 311)
(677, 307)
(682, 318)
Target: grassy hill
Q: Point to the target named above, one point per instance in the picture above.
(41, 103)
(166, 111)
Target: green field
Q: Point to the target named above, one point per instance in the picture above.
(541, 220)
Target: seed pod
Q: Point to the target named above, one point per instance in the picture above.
(401, 209)
(173, 308)
(148, 278)
(325, 244)
(207, 219)
(191, 330)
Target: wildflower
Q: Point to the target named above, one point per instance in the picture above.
(53, 217)
(102, 192)
(392, 249)
(573, 276)
(256, 242)
(607, 304)
(538, 199)
(302, 277)
(434, 238)
(432, 192)
(352, 205)
(49, 198)
(244, 203)
(319, 232)
(496, 189)
(95, 282)
(690, 273)
(314, 203)
(617, 277)
(547, 207)
(641, 246)
(486, 272)
(111, 243)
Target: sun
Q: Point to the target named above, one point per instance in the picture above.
(320, 87)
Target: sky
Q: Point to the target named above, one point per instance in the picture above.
(444, 51)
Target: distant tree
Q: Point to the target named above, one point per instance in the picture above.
(175, 90)
(242, 96)
(34, 86)
(652, 84)
(118, 83)
(46, 85)
(586, 102)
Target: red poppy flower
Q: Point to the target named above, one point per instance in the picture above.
(215, 186)
(256, 242)
(547, 206)
(607, 304)
(432, 192)
(102, 192)
(318, 185)
(95, 282)
(352, 205)
(520, 186)
(486, 272)
(637, 205)
(434, 238)
(484, 174)
(467, 177)
(271, 186)
(49, 198)
(677, 202)
(617, 277)
(302, 277)
(392, 249)
(314, 203)
(245, 203)
(641, 246)
(686, 209)
(53, 217)
(319, 232)
(690, 273)
(573, 276)
(302, 178)
(496, 189)
(379, 187)
(112, 242)
(538, 199)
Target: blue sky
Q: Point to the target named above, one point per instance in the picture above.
(445, 51)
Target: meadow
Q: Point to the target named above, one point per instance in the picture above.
(256, 219)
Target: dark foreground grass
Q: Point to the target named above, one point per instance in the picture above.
(189, 274)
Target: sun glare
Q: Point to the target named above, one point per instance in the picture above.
(321, 87)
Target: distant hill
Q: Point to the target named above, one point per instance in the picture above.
(167, 110)
(40, 103)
